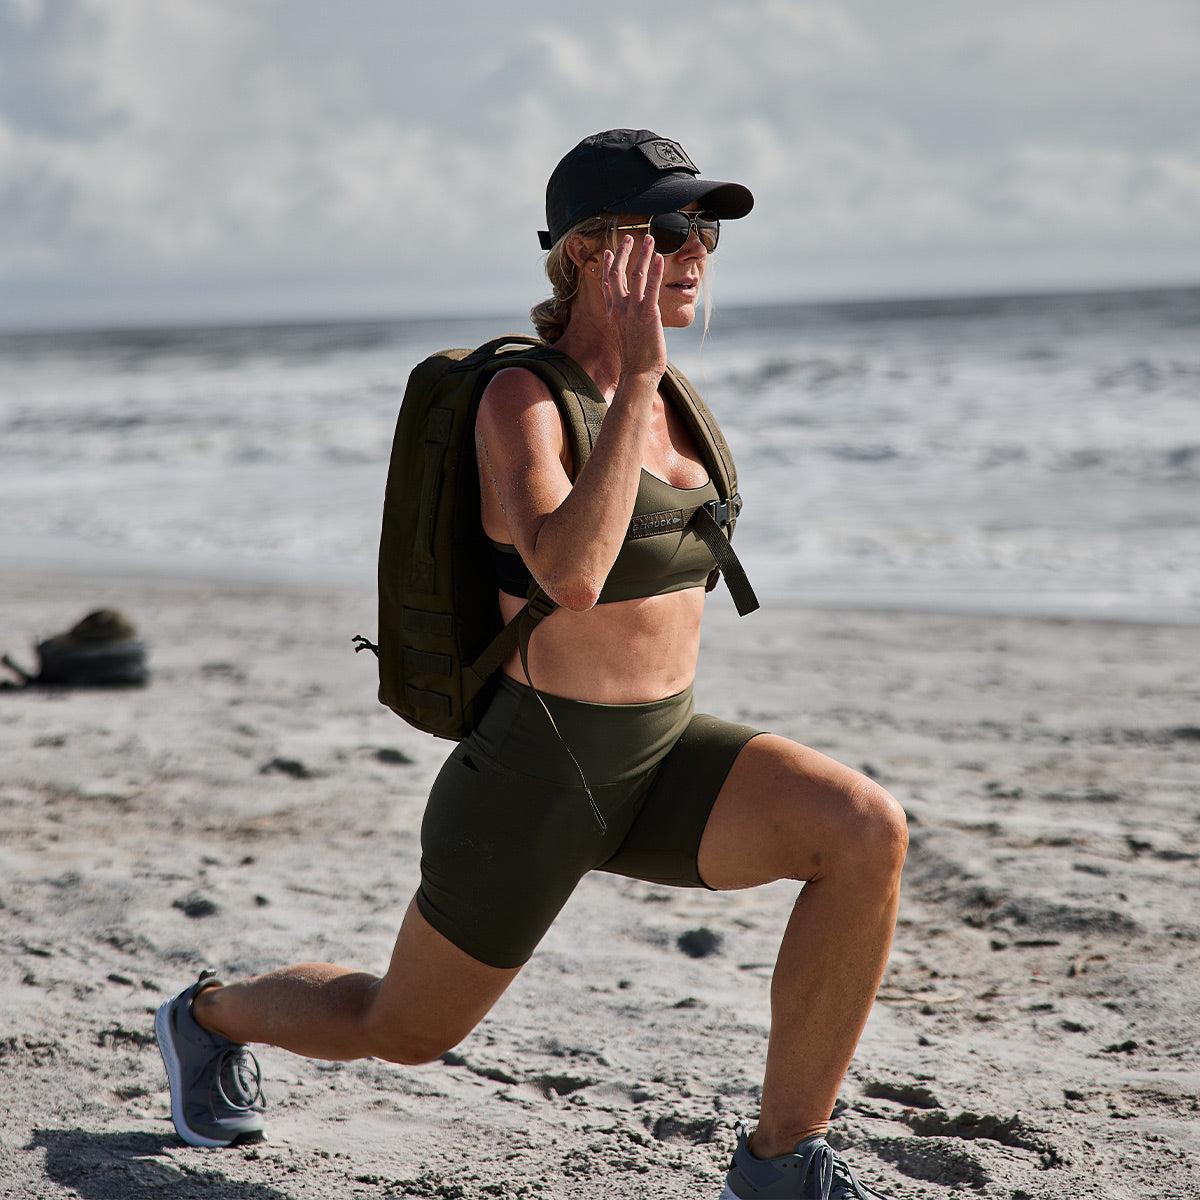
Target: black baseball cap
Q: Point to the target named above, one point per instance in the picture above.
(631, 171)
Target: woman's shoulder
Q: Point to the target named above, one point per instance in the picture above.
(518, 408)
(515, 387)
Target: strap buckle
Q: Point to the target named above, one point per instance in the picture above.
(725, 511)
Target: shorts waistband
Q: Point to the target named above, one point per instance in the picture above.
(613, 742)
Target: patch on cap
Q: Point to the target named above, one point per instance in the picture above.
(667, 156)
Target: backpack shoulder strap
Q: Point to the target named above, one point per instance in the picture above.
(714, 527)
(578, 399)
(704, 429)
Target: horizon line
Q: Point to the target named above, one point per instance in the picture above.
(897, 299)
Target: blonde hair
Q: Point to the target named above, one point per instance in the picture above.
(551, 317)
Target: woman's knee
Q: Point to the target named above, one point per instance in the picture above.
(431, 997)
(861, 831)
(411, 1050)
(877, 834)
(790, 812)
(389, 1036)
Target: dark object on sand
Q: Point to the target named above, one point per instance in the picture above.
(102, 650)
(699, 943)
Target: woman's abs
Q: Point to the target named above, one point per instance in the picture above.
(626, 652)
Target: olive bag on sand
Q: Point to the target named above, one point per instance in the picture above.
(101, 650)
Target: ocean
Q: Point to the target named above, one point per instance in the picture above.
(1021, 454)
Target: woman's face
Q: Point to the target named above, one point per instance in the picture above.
(682, 276)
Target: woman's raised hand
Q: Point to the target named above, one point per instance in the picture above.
(631, 302)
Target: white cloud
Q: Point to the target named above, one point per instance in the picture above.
(147, 64)
(1124, 39)
(822, 25)
(249, 144)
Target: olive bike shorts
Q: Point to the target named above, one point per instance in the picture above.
(508, 831)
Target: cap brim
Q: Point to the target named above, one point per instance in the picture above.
(670, 192)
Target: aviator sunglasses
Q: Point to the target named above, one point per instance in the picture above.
(671, 230)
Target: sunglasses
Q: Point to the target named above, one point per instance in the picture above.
(671, 230)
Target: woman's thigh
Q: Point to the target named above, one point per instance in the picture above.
(786, 811)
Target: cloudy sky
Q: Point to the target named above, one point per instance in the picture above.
(179, 160)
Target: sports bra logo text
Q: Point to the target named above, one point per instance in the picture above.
(652, 523)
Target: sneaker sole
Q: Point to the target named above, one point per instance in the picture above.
(166, 1047)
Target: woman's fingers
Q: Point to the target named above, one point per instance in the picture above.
(621, 279)
(631, 294)
(637, 269)
(616, 267)
(639, 273)
(653, 275)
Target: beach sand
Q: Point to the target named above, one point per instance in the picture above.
(1036, 1034)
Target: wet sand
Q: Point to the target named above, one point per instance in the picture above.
(1036, 1035)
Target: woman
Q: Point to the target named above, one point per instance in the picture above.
(686, 799)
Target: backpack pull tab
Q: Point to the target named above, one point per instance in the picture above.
(363, 643)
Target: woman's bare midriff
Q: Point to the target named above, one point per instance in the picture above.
(628, 652)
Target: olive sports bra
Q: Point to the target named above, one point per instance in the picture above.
(662, 552)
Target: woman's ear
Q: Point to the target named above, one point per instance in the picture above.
(580, 250)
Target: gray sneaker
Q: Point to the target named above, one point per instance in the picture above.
(814, 1172)
(216, 1084)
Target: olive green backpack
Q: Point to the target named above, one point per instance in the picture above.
(101, 650)
(441, 634)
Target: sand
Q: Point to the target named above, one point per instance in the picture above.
(254, 805)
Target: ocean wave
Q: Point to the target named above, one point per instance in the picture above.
(894, 449)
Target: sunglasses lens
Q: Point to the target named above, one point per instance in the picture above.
(672, 230)
(669, 231)
(709, 229)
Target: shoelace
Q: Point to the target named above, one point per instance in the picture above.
(853, 1188)
(244, 1075)
(833, 1177)
(820, 1168)
(825, 1167)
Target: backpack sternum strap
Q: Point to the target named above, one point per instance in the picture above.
(709, 522)
(708, 527)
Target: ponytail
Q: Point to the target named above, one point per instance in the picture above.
(551, 317)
